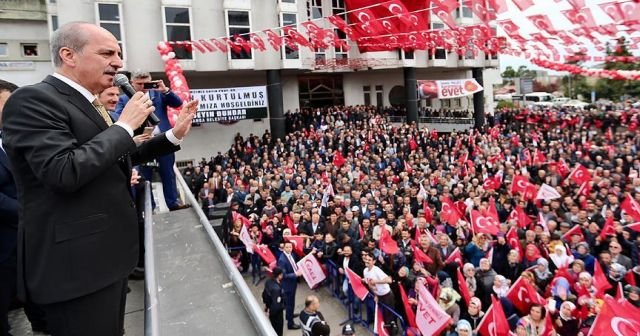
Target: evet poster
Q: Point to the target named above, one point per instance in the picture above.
(230, 104)
(453, 88)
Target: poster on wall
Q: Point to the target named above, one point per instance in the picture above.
(230, 104)
(444, 89)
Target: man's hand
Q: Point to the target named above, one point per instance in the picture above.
(161, 87)
(183, 124)
(137, 110)
(135, 177)
(299, 272)
(139, 139)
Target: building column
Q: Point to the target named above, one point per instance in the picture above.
(478, 99)
(276, 109)
(411, 92)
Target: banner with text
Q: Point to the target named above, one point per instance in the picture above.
(230, 104)
(443, 89)
(311, 270)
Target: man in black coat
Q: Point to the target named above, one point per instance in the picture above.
(8, 235)
(273, 298)
(78, 233)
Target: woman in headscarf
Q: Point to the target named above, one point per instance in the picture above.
(514, 267)
(565, 323)
(469, 272)
(577, 267)
(542, 273)
(463, 328)
(633, 295)
(584, 288)
(474, 313)
(500, 286)
(531, 256)
(560, 258)
(484, 276)
(534, 323)
(448, 302)
(561, 291)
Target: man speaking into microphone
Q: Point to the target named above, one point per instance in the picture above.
(162, 97)
(78, 234)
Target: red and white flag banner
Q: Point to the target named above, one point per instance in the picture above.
(311, 270)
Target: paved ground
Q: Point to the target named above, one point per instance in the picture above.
(333, 311)
(133, 319)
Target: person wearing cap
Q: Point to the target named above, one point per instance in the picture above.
(312, 320)
(273, 298)
(348, 330)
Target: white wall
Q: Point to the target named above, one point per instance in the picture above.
(28, 77)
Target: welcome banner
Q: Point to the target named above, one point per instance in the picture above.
(230, 104)
(452, 88)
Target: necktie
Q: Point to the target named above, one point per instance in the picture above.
(103, 111)
(293, 263)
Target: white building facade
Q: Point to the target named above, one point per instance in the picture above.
(140, 24)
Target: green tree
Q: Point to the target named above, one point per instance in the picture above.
(615, 89)
(509, 72)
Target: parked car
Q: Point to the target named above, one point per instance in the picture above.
(574, 103)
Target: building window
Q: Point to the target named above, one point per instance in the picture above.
(456, 103)
(367, 94)
(321, 56)
(4, 49)
(379, 97)
(342, 56)
(314, 8)
(288, 1)
(445, 103)
(288, 19)
(52, 1)
(109, 18)
(29, 49)
(177, 24)
(463, 11)
(239, 24)
(54, 22)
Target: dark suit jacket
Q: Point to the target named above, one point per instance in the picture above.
(290, 280)
(78, 228)
(8, 210)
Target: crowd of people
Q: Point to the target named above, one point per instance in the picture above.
(558, 187)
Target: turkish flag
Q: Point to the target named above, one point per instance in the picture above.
(542, 22)
(492, 183)
(359, 289)
(430, 317)
(499, 6)
(298, 244)
(494, 322)
(449, 212)
(408, 311)
(462, 284)
(631, 207)
(455, 256)
(523, 295)
(523, 4)
(378, 323)
(600, 281)
(387, 244)
(296, 36)
(428, 214)
(481, 11)
(492, 211)
(616, 318)
(575, 230)
(443, 9)
(582, 17)
(420, 256)
(274, 39)
(634, 226)
(337, 21)
(520, 216)
(256, 42)
(580, 175)
(266, 255)
(289, 222)
(514, 242)
(482, 224)
(520, 183)
(613, 10)
(608, 229)
(549, 329)
(338, 159)
(237, 216)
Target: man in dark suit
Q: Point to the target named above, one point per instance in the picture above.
(78, 235)
(162, 97)
(287, 261)
(8, 235)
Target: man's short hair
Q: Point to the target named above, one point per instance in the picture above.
(7, 86)
(140, 74)
(310, 300)
(71, 36)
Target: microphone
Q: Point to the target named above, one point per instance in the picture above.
(122, 82)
